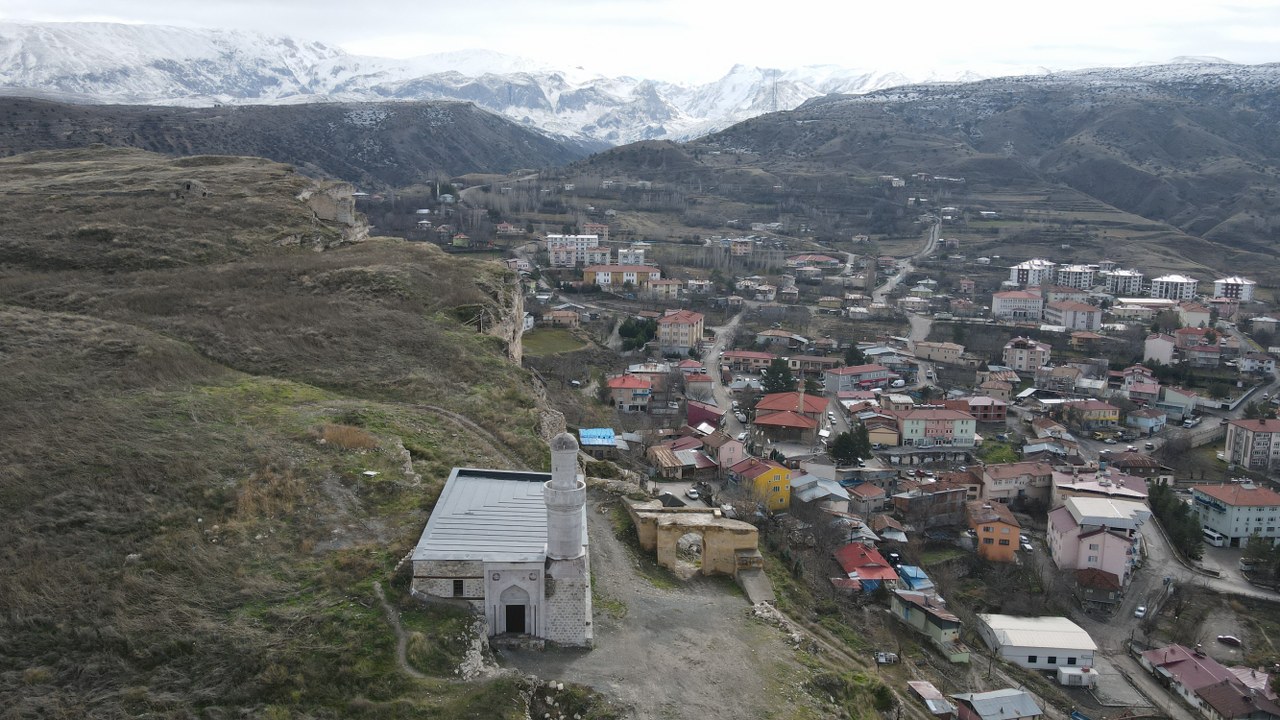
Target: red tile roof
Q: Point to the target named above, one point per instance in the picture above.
(786, 419)
(865, 562)
(1240, 495)
(681, 317)
(792, 401)
(623, 382)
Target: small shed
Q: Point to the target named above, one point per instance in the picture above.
(933, 699)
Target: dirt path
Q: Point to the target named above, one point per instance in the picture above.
(402, 640)
(496, 447)
(688, 651)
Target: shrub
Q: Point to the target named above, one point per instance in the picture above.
(347, 437)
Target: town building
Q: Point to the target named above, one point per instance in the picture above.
(679, 331)
(1073, 315)
(943, 352)
(1016, 305)
(857, 377)
(513, 545)
(1238, 511)
(600, 230)
(1234, 288)
(929, 616)
(1025, 355)
(1091, 414)
(1096, 532)
(1174, 287)
(1080, 277)
(1006, 704)
(983, 409)
(1017, 482)
(866, 566)
(1038, 643)
(620, 278)
(931, 504)
(629, 393)
(1037, 271)
(566, 251)
(931, 427)
(1158, 347)
(1122, 283)
(747, 360)
(995, 530)
(1254, 444)
(768, 481)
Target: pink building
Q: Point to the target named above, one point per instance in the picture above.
(1097, 533)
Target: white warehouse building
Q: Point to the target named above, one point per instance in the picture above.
(1038, 643)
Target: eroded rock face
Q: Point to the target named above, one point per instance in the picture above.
(334, 204)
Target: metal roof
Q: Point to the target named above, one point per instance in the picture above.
(597, 437)
(1005, 704)
(489, 515)
(1040, 632)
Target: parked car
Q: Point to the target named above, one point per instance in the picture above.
(742, 436)
(1141, 612)
(1024, 539)
(691, 493)
(1229, 640)
(1149, 446)
(742, 417)
(1026, 547)
(1110, 441)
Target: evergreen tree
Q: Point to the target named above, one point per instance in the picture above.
(844, 449)
(777, 377)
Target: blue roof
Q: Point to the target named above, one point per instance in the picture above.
(596, 437)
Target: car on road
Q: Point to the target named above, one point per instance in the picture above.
(1141, 612)
(742, 436)
(691, 493)
(1149, 446)
(742, 417)
(1024, 539)
(1131, 448)
(1229, 640)
(1110, 441)
(1026, 547)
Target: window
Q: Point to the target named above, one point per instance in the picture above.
(457, 588)
(1031, 659)
(1052, 660)
(1004, 531)
(988, 541)
(1093, 558)
(1093, 546)
(1004, 541)
(1071, 661)
(988, 528)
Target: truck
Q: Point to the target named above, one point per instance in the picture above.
(1191, 422)
(898, 383)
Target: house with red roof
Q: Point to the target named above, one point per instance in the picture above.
(867, 566)
(629, 393)
(679, 331)
(1254, 444)
(1184, 671)
(747, 360)
(1238, 510)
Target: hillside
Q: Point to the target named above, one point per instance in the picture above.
(376, 145)
(1191, 151)
(205, 465)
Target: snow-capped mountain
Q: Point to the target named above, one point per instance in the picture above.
(149, 64)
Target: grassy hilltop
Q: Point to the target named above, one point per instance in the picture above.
(192, 396)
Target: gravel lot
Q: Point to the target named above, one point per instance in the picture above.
(688, 651)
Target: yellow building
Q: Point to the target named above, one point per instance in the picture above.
(769, 481)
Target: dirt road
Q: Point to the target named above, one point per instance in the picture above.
(688, 651)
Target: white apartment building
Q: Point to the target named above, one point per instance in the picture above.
(1016, 305)
(571, 250)
(1036, 271)
(1235, 288)
(1026, 355)
(632, 255)
(1080, 277)
(1237, 511)
(1174, 287)
(1073, 315)
(1122, 282)
(1254, 444)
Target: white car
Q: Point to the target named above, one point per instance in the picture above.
(1141, 612)
(691, 494)
(742, 436)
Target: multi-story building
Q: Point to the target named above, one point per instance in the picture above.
(930, 427)
(1098, 533)
(679, 331)
(741, 246)
(574, 250)
(1073, 315)
(747, 360)
(1174, 287)
(599, 229)
(857, 377)
(1025, 355)
(1080, 277)
(1020, 481)
(943, 352)
(1091, 414)
(632, 255)
(615, 278)
(666, 289)
(1122, 282)
(1235, 288)
(1016, 305)
(995, 530)
(1254, 444)
(767, 480)
(629, 393)
(1037, 271)
(1238, 511)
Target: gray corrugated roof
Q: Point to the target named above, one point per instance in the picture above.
(1004, 704)
(489, 515)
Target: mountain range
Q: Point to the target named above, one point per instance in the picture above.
(159, 65)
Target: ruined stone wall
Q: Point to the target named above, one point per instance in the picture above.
(434, 578)
(333, 204)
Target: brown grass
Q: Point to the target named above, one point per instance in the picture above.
(346, 437)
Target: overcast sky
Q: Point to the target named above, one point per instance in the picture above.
(699, 40)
